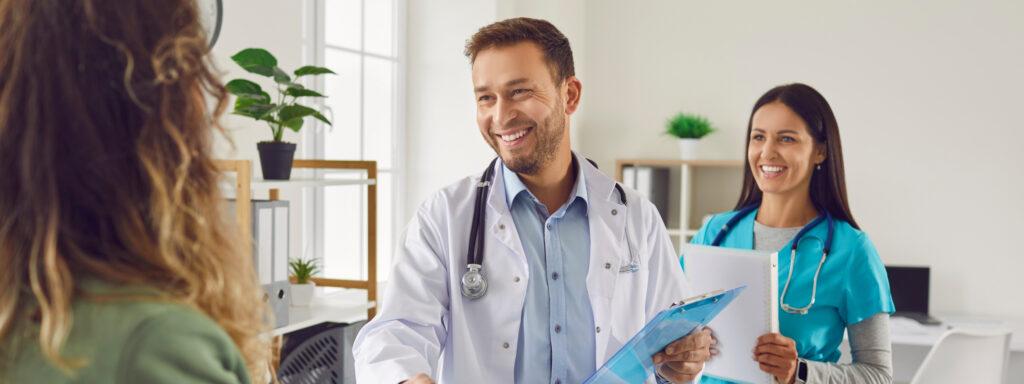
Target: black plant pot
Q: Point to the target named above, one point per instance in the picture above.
(276, 159)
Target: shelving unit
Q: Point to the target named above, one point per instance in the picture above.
(704, 187)
(244, 184)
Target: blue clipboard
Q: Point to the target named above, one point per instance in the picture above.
(633, 363)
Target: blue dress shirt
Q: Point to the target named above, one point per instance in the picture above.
(556, 336)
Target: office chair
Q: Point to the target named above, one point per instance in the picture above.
(321, 354)
(966, 356)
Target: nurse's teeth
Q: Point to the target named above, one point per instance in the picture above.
(514, 136)
(769, 168)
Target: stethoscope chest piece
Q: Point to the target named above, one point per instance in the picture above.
(474, 286)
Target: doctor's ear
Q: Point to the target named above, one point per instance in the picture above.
(573, 89)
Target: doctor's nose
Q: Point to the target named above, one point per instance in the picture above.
(503, 113)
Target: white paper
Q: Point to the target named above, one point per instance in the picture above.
(752, 314)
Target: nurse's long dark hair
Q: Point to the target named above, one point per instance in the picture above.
(828, 185)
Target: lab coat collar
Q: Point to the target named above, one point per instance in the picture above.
(514, 186)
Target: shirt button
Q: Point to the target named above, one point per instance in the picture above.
(550, 226)
(515, 279)
(558, 328)
(607, 265)
(558, 381)
(615, 212)
(598, 329)
(504, 345)
(554, 276)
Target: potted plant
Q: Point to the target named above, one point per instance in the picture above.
(688, 128)
(302, 272)
(282, 111)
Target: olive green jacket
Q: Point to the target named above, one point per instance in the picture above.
(132, 339)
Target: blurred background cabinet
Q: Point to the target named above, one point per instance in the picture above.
(684, 191)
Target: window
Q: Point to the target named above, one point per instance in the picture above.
(360, 41)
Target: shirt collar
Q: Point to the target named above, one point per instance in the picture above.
(514, 185)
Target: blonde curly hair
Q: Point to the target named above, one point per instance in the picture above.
(107, 115)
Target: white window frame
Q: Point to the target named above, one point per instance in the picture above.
(315, 53)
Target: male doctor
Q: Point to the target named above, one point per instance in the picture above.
(567, 285)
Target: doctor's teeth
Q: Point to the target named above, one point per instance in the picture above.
(514, 136)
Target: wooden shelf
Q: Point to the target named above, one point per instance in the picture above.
(310, 182)
(244, 183)
(677, 232)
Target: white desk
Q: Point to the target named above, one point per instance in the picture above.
(912, 341)
(336, 305)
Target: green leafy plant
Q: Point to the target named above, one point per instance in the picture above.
(687, 126)
(283, 111)
(303, 270)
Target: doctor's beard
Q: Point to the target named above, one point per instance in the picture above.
(547, 137)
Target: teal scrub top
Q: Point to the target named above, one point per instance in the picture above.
(852, 286)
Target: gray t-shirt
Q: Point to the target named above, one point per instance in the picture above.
(869, 339)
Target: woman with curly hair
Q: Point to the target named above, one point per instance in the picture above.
(115, 262)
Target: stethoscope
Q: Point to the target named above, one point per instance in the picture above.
(792, 254)
(474, 285)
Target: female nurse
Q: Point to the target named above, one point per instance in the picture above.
(794, 201)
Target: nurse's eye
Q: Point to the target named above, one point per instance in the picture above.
(787, 139)
(757, 137)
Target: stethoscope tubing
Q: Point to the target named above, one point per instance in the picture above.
(729, 225)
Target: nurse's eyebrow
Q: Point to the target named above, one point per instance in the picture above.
(789, 131)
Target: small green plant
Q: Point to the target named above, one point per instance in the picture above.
(687, 126)
(303, 270)
(284, 111)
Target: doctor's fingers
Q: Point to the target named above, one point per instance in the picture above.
(697, 355)
(680, 372)
(697, 340)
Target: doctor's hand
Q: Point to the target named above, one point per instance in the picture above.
(419, 379)
(683, 359)
(776, 355)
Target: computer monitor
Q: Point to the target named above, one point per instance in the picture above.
(909, 286)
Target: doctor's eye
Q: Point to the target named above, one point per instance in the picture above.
(520, 91)
(484, 98)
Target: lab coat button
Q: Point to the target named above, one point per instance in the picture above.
(515, 279)
(615, 212)
(504, 345)
(598, 329)
(607, 265)
(501, 227)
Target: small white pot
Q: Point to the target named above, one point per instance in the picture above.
(302, 294)
(688, 149)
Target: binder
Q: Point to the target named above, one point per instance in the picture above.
(633, 364)
(750, 316)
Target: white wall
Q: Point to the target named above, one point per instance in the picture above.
(443, 143)
(926, 96)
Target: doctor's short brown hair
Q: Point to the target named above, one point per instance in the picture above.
(508, 32)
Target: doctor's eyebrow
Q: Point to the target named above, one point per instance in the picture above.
(509, 83)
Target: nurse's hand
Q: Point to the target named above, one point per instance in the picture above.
(776, 355)
(419, 379)
(683, 359)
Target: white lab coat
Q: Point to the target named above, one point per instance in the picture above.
(426, 325)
